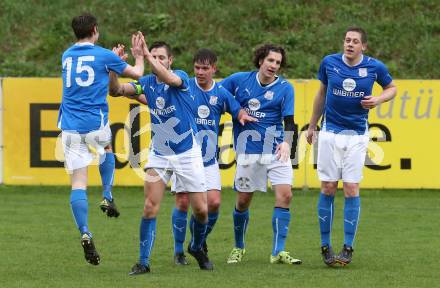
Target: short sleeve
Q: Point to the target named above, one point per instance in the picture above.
(322, 73)
(184, 77)
(288, 101)
(231, 105)
(114, 63)
(230, 83)
(383, 76)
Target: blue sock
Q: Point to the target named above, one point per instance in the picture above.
(107, 171)
(212, 219)
(79, 205)
(179, 220)
(280, 227)
(147, 233)
(325, 217)
(352, 210)
(198, 233)
(241, 220)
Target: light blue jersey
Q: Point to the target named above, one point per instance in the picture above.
(346, 87)
(173, 127)
(210, 105)
(269, 104)
(84, 105)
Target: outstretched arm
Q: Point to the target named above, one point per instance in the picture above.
(137, 44)
(162, 73)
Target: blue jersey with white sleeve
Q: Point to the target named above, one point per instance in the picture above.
(210, 105)
(346, 87)
(173, 127)
(85, 76)
(268, 103)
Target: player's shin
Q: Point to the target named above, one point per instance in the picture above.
(351, 218)
(147, 232)
(241, 220)
(325, 217)
(198, 233)
(179, 221)
(280, 226)
(79, 205)
(107, 171)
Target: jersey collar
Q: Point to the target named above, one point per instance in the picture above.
(346, 63)
(267, 86)
(84, 44)
(212, 87)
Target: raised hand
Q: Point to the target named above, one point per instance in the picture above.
(119, 50)
(137, 43)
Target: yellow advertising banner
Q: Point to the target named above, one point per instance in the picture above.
(402, 152)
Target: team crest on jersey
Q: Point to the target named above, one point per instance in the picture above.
(254, 104)
(213, 100)
(349, 84)
(203, 111)
(268, 95)
(363, 72)
(160, 102)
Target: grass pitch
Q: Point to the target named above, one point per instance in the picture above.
(397, 244)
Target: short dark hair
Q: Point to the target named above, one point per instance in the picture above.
(83, 25)
(161, 44)
(358, 30)
(205, 56)
(262, 51)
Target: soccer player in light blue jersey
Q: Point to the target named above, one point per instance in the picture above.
(83, 116)
(174, 150)
(344, 100)
(263, 148)
(211, 101)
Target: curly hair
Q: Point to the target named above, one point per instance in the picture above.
(262, 51)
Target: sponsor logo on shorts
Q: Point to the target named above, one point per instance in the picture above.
(243, 183)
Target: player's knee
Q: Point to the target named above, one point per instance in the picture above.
(150, 209)
(182, 201)
(351, 189)
(200, 213)
(214, 205)
(287, 197)
(329, 188)
(242, 204)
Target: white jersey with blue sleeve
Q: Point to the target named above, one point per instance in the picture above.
(346, 87)
(210, 105)
(173, 126)
(85, 76)
(269, 104)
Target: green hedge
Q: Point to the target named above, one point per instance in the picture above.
(403, 34)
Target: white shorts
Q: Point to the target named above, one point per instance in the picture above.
(187, 168)
(253, 171)
(77, 147)
(212, 177)
(341, 156)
